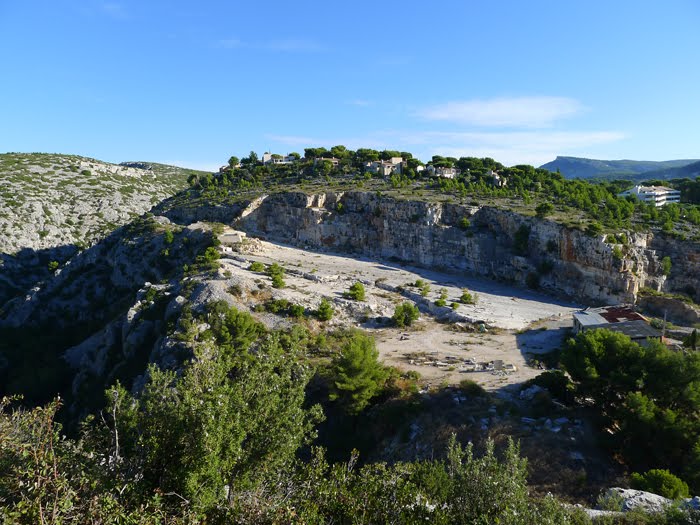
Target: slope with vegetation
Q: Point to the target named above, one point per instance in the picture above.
(210, 415)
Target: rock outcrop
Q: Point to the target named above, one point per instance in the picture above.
(497, 243)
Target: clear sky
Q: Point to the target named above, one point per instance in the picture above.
(192, 83)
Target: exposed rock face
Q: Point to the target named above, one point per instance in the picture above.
(552, 256)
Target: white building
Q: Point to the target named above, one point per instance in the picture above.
(442, 172)
(274, 158)
(659, 195)
(385, 167)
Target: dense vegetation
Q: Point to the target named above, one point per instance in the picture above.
(225, 439)
(645, 399)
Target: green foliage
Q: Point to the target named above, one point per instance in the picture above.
(256, 266)
(405, 313)
(424, 288)
(557, 384)
(276, 273)
(544, 209)
(168, 237)
(594, 229)
(660, 482)
(467, 297)
(464, 223)
(666, 265)
(650, 394)
(356, 292)
(325, 311)
(356, 373)
(472, 388)
(442, 299)
(617, 253)
(53, 266)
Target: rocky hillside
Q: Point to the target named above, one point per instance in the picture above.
(50, 200)
(486, 241)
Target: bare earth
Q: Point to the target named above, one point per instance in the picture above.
(517, 321)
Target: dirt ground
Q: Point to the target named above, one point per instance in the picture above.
(516, 321)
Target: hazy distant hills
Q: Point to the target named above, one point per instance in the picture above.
(581, 168)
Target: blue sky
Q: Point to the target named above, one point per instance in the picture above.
(192, 83)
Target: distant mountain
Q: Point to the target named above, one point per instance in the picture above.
(689, 171)
(581, 168)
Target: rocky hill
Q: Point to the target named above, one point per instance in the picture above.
(53, 205)
(582, 168)
(50, 200)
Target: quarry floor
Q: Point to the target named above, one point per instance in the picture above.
(440, 345)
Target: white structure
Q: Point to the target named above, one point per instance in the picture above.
(385, 167)
(658, 195)
(274, 158)
(445, 173)
(499, 181)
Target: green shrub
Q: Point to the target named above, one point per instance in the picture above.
(594, 229)
(53, 266)
(666, 265)
(355, 292)
(661, 482)
(405, 314)
(544, 209)
(296, 310)
(278, 282)
(464, 223)
(472, 388)
(467, 297)
(256, 266)
(325, 311)
(442, 300)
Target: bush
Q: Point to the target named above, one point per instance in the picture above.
(660, 482)
(442, 300)
(594, 229)
(277, 281)
(256, 266)
(472, 388)
(544, 209)
(467, 297)
(296, 310)
(405, 314)
(355, 292)
(666, 265)
(325, 311)
(557, 384)
(464, 223)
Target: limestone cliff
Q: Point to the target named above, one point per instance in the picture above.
(433, 234)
